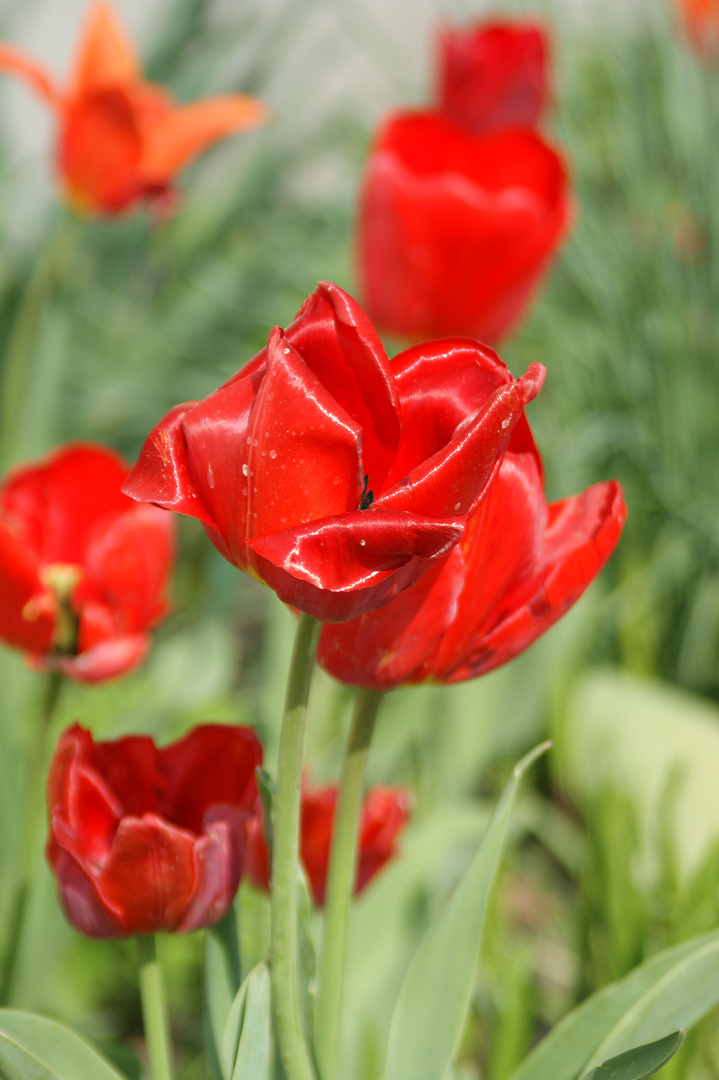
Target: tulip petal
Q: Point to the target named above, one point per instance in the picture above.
(150, 874)
(188, 130)
(20, 625)
(162, 473)
(80, 898)
(108, 660)
(212, 764)
(581, 535)
(105, 55)
(454, 480)
(218, 866)
(15, 62)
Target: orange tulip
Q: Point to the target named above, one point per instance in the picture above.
(122, 139)
(701, 20)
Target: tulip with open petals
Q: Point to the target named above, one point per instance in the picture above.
(455, 230)
(493, 74)
(145, 839)
(83, 569)
(122, 139)
(519, 567)
(336, 476)
(382, 819)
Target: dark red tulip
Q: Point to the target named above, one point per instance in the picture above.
(83, 569)
(144, 839)
(493, 74)
(122, 139)
(384, 815)
(519, 567)
(456, 230)
(331, 473)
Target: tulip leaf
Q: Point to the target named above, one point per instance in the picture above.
(221, 983)
(639, 1062)
(433, 1002)
(34, 1048)
(246, 1046)
(266, 788)
(674, 989)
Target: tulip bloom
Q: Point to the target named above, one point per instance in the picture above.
(83, 569)
(383, 817)
(122, 139)
(519, 567)
(456, 230)
(701, 20)
(145, 839)
(331, 473)
(493, 75)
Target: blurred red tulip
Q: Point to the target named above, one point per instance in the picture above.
(701, 20)
(329, 472)
(83, 569)
(384, 815)
(455, 230)
(122, 139)
(493, 74)
(519, 567)
(145, 839)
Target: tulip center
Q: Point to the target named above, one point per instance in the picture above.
(367, 496)
(61, 579)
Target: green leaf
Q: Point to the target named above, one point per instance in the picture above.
(33, 1048)
(246, 1053)
(674, 989)
(641, 1061)
(266, 788)
(221, 983)
(430, 1013)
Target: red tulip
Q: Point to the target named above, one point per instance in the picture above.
(455, 230)
(331, 473)
(519, 567)
(145, 839)
(701, 20)
(493, 75)
(384, 815)
(83, 569)
(122, 139)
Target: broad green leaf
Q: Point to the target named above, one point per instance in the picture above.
(672, 990)
(34, 1048)
(247, 1047)
(221, 983)
(430, 1013)
(640, 1062)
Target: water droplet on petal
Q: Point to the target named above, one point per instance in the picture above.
(363, 543)
(273, 454)
(210, 477)
(457, 506)
(505, 423)
(244, 470)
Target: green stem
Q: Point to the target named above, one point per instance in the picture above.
(154, 1009)
(341, 882)
(33, 806)
(285, 1000)
(20, 350)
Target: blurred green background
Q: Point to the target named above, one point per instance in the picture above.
(615, 854)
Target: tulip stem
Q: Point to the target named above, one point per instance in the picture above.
(31, 817)
(341, 883)
(154, 1009)
(284, 967)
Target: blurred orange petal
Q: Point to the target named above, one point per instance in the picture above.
(34, 74)
(105, 54)
(189, 130)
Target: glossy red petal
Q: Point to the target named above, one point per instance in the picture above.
(456, 229)
(341, 567)
(581, 535)
(15, 62)
(150, 874)
(455, 479)
(105, 53)
(493, 74)
(387, 647)
(213, 764)
(219, 856)
(185, 132)
(162, 473)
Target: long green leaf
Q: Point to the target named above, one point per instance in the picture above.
(34, 1048)
(252, 1057)
(672, 990)
(221, 983)
(641, 1062)
(430, 1013)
